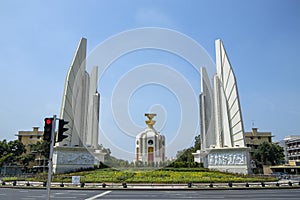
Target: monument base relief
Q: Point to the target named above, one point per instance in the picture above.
(234, 160)
(67, 159)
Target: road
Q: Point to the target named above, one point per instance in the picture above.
(261, 194)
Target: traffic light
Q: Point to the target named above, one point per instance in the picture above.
(61, 130)
(48, 129)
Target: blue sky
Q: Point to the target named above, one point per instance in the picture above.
(38, 40)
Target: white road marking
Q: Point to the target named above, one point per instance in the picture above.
(39, 197)
(80, 194)
(99, 195)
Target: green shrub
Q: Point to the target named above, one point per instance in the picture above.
(166, 175)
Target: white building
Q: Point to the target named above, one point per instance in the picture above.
(292, 148)
(150, 144)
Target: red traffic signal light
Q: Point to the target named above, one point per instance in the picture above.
(48, 128)
(48, 121)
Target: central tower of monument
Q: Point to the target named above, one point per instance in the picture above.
(150, 144)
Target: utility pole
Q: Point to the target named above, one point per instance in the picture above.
(50, 164)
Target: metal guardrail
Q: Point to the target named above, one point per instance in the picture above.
(125, 185)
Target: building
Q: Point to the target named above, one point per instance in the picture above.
(30, 138)
(255, 138)
(291, 146)
(150, 144)
(222, 132)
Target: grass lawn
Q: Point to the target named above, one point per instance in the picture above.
(168, 175)
(197, 175)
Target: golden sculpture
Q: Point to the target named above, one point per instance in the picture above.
(150, 122)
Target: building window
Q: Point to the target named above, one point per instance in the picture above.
(259, 137)
(150, 142)
(31, 137)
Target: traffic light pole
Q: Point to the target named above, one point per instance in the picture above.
(50, 164)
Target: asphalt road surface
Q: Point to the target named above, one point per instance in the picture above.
(34, 194)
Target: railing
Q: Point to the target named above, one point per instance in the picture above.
(124, 185)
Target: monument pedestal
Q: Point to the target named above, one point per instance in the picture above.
(99, 157)
(229, 159)
(201, 157)
(67, 159)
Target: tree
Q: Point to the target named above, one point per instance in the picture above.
(11, 152)
(269, 153)
(16, 147)
(3, 147)
(186, 155)
(26, 159)
(42, 147)
(197, 144)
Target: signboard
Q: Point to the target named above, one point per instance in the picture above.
(75, 179)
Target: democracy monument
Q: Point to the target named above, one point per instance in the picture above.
(80, 107)
(150, 144)
(221, 125)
